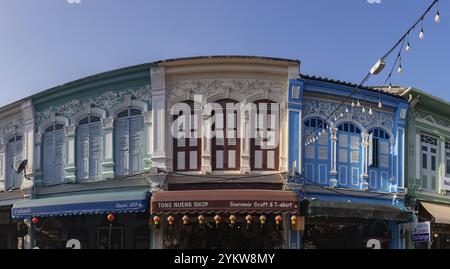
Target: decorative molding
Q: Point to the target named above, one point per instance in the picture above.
(323, 109)
(71, 130)
(432, 120)
(108, 123)
(237, 88)
(104, 101)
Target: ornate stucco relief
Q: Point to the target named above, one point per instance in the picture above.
(323, 109)
(242, 88)
(105, 101)
(433, 120)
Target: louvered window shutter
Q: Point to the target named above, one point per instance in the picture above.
(123, 147)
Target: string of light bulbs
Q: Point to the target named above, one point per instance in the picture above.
(338, 112)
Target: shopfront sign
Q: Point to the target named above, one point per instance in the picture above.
(422, 232)
(224, 201)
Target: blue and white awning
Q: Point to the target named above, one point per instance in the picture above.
(83, 204)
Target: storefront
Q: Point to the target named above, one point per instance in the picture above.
(8, 229)
(217, 219)
(439, 217)
(354, 225)
(97, 221)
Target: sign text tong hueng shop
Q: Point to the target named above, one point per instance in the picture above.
(232, 201)
(248, 206)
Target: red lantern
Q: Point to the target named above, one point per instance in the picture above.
(110, 217)
(249, 219)
(156, 220)
(262, 219)
(170, 220)
(185, 219)
(278, 219)
(201, 219)
(35, 220)
(233, 219)
(217, 219)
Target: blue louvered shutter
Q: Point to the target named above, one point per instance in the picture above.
(58, 164)
(122, 146)
(48, 158)
(136, 144)
(95, 148)
(83, 152)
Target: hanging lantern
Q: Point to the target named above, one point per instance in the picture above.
(294, 220)
(217, 220)
(185, 219)
(156, 220)
(249, 219)
(170, 220)
(35, 220)
(110, 217)
(278, 219)
(262, 220)
(201, 219)
(233, 219)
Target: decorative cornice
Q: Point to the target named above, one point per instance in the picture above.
(104, 101)
(324, 109)
(242, 88)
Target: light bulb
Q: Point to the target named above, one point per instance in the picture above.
(335, 119)
(437, 19)
(390, 86)
(422, 34)
(347, 110)
(323, 131)
(380, 105)
(408, 47)
(342, 115)
(320, 134)
(370, 111)
(353, 103)
(314, 139)
(363, 110)
(399, 70)
(317, 137)
(358, 104)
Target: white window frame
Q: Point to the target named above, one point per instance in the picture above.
(427, 145)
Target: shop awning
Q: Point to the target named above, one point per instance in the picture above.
(357, 210)
(84, 204)
(441, 213)
(224, 201)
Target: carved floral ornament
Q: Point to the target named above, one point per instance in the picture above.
(104, 101)
(432, 120)
(10, 128)
(231, 88)
(323, 109)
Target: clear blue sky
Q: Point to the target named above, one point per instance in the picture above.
(46, 43)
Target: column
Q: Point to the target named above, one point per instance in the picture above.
(2, 167)
(37, 159)
(28, 143)
(148, 140)
(365, 163)
(206, 144)
(333, 172)
(108, 148)
(159, 118)
(69, 167)
(245, 140)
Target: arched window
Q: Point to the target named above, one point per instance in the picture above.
(226, 144)
(429, 146)
(378, 160)
(187, 150)
(317, 155)
(15, 157)
(129, 142)
(265, 144)
(89, 148)
(54, 154)
(349, 159)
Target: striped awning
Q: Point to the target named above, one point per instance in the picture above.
(83, 204)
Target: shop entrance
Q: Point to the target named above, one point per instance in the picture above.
(245, 232)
